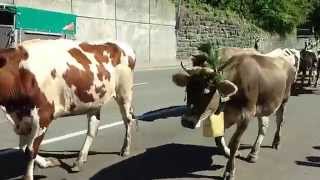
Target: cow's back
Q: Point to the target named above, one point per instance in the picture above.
(263, 82)
(74, 76)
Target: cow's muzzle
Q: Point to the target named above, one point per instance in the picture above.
(189, 121)
(188, 124)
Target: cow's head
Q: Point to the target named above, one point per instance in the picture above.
(13, 85)
(204, 93)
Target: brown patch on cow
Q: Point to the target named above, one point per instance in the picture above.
(115, 53)
(3, 62)
(23, 53)
(15, 55)
(132, 62)
(97, 50)
(54, 73)
(101, 91)
(20, 94)
(24, 97)
(112, 49)
(80, 57)
(102, 73)
(82, 80)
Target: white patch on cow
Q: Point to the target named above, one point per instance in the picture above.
(91, 134)
(282, 53)
(127, 49)
(29, 171)
(30, 140)
(46, 162)
(42, 131)
(105, 53)
(41, 161)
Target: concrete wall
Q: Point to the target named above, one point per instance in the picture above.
(147, 25)
(291, 41)
(6, 1)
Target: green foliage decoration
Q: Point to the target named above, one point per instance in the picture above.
(212, 59)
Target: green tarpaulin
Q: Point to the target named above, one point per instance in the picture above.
(39, 20)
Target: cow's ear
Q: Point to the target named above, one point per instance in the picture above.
(180, 79)
(227, 89)
(3, 61)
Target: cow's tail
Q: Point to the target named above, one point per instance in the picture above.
(135, 119)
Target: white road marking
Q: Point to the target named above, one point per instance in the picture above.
(78, 133)
(139, 84)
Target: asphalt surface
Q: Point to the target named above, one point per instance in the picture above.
(162, 149)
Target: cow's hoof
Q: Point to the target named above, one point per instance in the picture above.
(252, 158)
(77, 166)
(48, 162)
(28, 178)
(228, 176)
(52, 162)
(124, 153)
(275, 146)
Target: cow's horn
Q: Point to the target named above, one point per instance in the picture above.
(208, 70)
(195, 70)
(187, 70)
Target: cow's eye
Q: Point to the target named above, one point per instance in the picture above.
(206, 91)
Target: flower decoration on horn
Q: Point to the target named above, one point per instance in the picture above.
(212, 60)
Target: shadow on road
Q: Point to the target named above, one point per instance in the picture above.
(249, 146)
(69, 154)
(60, 155)
(307, 163)
(166, 161)
(316, 147)
(312, 161)
(173, 111)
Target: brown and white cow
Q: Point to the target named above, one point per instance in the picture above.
(42, 80)
(256, 85)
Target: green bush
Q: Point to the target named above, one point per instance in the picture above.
(275, 16)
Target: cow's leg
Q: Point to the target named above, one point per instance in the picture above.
(310, 76)
(317, 78)
(41, 118)
(263, 123)
(229, 173)
(93, 125)
(23, 140)
(302, 78)
(127, 116)
(124, 100)
(221, 144)
(41, 161)
(280, 120)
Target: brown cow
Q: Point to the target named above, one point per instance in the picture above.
(257, 86)
(42, 80)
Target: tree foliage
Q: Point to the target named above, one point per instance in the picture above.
(314, 18)
(276, 16)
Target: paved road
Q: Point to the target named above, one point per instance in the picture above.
(162, 149)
